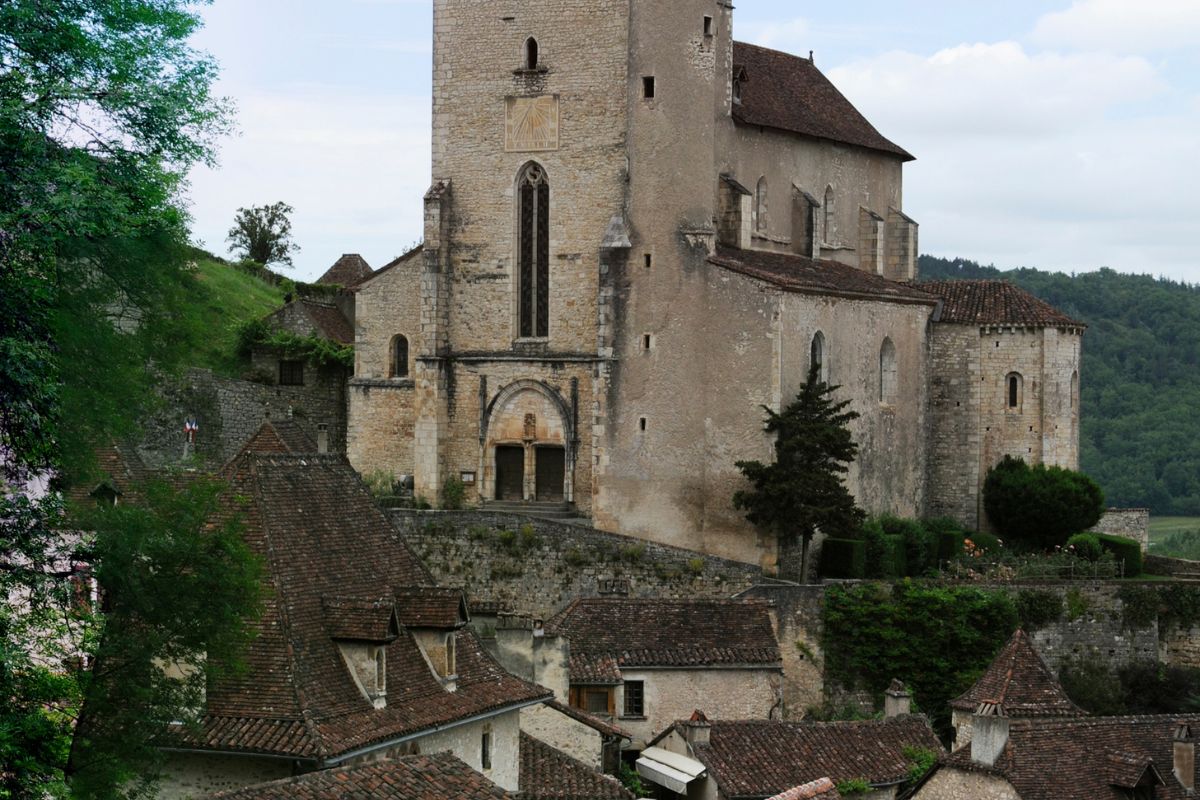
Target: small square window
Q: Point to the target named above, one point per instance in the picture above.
(648, 87)
(708, 26)
(635, 699)
(291, 373)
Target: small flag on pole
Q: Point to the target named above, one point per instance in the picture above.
(190, 426)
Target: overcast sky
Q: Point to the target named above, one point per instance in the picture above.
(1062, 135)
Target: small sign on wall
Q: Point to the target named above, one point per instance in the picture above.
(468, 478)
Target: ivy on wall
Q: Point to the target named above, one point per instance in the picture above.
(313, 349)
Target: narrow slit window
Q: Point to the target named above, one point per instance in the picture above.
(485, 750)
(642, 424)
(708, 26)
(649, 260)
(646, 341)
(648, 87)
(1014, 390)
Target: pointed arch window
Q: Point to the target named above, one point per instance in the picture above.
(399, 357)
(887, 371)
(531, 53)
(817, 357)
(830, 226)
(760, 206)
(533, 258)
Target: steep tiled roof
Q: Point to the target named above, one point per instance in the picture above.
(1019, 680)
(434, 777)
(349, 270)
(823, 789)
(761, 758)
(788, 92)
(360, 620)
(988, 302)
(797, 273)
(593, 722)
(322, 537)
(324, 319)
(118, 468)
(1092, 757)
(550, 774)
(422, 607)
(279, 436)
(607, 633)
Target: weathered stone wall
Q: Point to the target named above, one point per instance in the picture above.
(194, 775)
(1180, 647)
(387, 305)
(565, 734)
(798, 629)
(230, 411)
(380, 425)
(673, 694)
(956, 784)
(539, 573)
(955, 436)
(1132, 523)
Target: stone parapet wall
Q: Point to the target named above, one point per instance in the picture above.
(535, 566)
(1132, 523)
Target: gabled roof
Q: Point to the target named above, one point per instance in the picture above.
(323, 319)
(1019, 681)
(610, 633)
(424, 607)
(762, 758)
(595, 723)
(823, 789)
(1099, 758)
(322, 537)
(550, 774)
(796, 273)
(783, 91)
(279, 436)
(427, 777)
(991, 302)
(349, 270)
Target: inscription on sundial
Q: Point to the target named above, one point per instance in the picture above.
(531, 123)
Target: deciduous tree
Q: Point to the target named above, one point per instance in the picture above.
(263, 234)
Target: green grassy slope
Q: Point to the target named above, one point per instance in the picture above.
(228, 297)
(1140, 387)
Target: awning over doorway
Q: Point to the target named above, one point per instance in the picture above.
(669, 770)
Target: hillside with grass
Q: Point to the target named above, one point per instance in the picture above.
(226, 298)
(1140, 387)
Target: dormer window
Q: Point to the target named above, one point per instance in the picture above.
(531, 53)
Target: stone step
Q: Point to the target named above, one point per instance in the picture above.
(532, 509)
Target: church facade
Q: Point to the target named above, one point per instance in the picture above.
(639, 232)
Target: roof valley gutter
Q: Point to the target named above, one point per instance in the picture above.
(333, 762)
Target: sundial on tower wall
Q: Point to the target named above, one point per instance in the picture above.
(531, 123)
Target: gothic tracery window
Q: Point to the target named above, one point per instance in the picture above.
(533, 258)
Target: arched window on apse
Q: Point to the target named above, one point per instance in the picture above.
(399, 357)
(887, 371)
(1014, 388)
(533, 257)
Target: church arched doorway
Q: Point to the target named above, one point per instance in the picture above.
(528, 445)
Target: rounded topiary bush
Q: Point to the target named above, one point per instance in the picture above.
(1086, 545)
(1040, 506)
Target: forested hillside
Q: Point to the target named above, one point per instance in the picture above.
(1140, 387)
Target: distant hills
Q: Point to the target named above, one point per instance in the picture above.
(1140, 381)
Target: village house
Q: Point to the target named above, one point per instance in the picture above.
(357, 655)
(644, 662)
(821, 789)
(547, 773)
(1101, 758)
(1019, 681)
(757, 759)
(626, 255)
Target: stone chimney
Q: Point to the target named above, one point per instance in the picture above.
(897, 701)
(989, 733)
(698, 728)
(1185, 756)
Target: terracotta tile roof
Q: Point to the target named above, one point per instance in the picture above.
(324, 319)
(281, 437)
(608, 633)
(550, 774)
(360, 620)
(434, 777)
(823, 789)
(761, 758)
(988, 302)
(349, 270)
(593, 722)
(789, 93)
(1019, 680)
(425, 607)
(118, 469)
(797, 273)
(322, 536)
(1092, 757)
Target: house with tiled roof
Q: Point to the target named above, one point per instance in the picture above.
(1097, 758)
(357, 656)
(439, 776)
(348, 271)
(644, 661)
(1004, 381)
(599, 310)
(759, 759)
(1019, 681)
(550, 774)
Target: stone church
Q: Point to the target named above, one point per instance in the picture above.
(640, 231)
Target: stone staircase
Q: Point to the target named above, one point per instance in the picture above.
(533, 508)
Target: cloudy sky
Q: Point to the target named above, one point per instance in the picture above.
(1050, 133)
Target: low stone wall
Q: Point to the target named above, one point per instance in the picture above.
(1132, 523)
(1171, 567)
(536, 566)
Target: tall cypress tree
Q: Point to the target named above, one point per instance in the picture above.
(803, 490)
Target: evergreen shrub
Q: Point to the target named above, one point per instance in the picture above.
(843, 558)
(1040, 506)
(895, 557)
(1123, 549)
(1086, 546)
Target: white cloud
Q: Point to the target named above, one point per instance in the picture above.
(1039, 159)
(353, 166)
(1122, 26)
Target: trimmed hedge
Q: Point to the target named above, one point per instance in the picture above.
(895, 559)
(1086, 545)
(843, 558)
(1123, 549)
